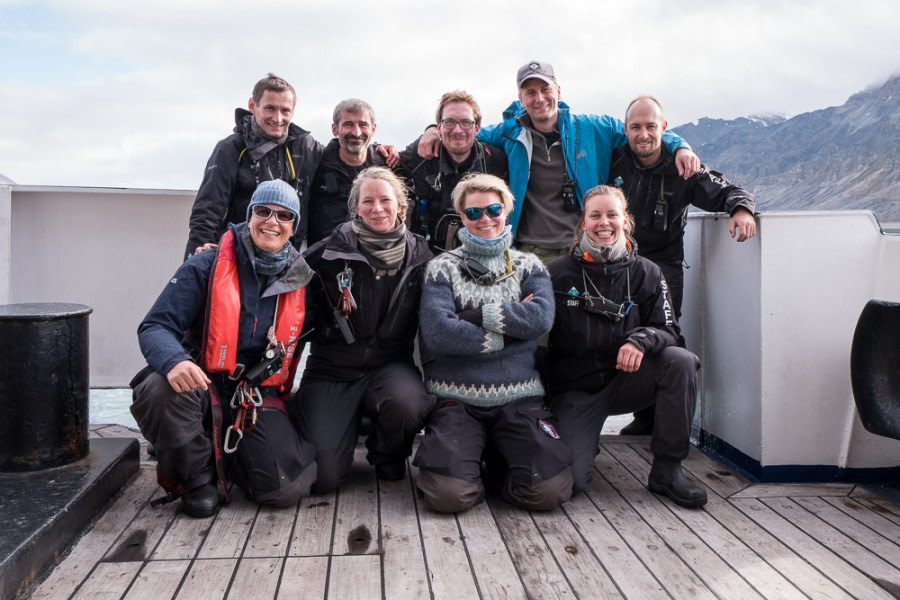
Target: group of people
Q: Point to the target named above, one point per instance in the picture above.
(509, 252)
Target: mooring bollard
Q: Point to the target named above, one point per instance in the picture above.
(44, 385)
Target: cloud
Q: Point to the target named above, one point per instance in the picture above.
(124, 94)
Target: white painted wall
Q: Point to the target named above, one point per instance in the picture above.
(772, 320)
(111, 249)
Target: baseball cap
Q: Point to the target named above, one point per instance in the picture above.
(536, 69)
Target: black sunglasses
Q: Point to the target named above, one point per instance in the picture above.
(264, 212)
(474, 213)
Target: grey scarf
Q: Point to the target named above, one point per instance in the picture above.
(386, 251)
(603, 254)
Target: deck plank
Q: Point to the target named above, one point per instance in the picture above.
(354, 577)
(143, 533)
(495, 572)
(207, 579)
(847, 515)
(405, 575)
(72, 571)
(271, 534)
(794, 490)
(864, 512)
(580, 567)
(537, 567)
(448, 566)
(108, 580)
(183, 538)
(356, 525)
(696, 550)
(652, 549)
(725, 543)
(228, 534)
(304, 578)
(879, 505)
(850, 579)
(314, 529)
(862, 552)
(158, 579)
(256, 578)
(615, 557)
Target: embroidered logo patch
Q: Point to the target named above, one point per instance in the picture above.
(549, 429)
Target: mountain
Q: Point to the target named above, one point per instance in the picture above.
(837, 158)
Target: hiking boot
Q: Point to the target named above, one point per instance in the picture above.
(201, 502)
(667, 478)
(638, 426)
(392, 471)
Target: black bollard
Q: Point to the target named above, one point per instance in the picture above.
(44, 385)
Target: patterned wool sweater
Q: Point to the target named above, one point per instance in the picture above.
(491, 364)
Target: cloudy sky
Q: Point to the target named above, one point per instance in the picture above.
(116, 93)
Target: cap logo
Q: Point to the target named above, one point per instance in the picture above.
(534, 66)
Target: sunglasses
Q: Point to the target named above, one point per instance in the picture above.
(264, 212)
(474, 213)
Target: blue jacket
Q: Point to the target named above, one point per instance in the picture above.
(176, 320)
(588, 142)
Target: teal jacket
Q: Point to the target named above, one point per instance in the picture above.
(587, 140)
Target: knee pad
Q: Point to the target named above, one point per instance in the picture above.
(448, 494)
(543, 495)
(290, 493)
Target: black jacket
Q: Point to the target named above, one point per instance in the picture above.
(232, 175)
(659, 197)
(385, 320)
(331, 189)
(433, 180)
(583, 345)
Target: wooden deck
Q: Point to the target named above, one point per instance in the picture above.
(374, 540)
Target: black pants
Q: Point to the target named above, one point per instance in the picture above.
(668, 379)
(326, 414)
(519, 441)
(271, 464)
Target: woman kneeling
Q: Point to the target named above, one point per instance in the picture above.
(613, 348)
(484, 307)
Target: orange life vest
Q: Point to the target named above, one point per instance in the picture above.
(223, 310)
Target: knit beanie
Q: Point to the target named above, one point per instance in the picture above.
(279, 193)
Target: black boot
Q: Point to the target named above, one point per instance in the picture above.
(667, 478)
(391, 471)
(202, 501)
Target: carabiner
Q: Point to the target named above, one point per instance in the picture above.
(228, 437)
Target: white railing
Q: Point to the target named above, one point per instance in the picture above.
(771, 318)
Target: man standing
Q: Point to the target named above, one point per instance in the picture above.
(433, 179)
(659, 199)
(345, 156)
(265, 145)
(555, 156)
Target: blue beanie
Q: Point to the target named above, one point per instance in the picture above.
(279, 193)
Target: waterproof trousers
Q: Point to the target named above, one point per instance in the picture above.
(327, 414)
(668, 379)
(271, 464)
(519, 442)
